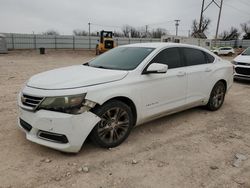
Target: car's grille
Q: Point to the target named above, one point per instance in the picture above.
(25, 125)
(245, 64)
(31, 101)
(241, 70)
(109, 44)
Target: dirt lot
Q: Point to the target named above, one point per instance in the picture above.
(194, 148)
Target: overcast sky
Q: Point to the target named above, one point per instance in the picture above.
(27, 16)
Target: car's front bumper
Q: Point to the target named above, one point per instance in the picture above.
(242, 72)
(75, 128)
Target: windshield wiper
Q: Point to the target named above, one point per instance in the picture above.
(101, 67)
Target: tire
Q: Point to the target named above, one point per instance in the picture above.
(217, 96)
(230, 53)
(115, 126)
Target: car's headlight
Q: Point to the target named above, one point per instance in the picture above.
(74, 104)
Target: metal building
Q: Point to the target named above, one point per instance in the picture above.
(3, 44)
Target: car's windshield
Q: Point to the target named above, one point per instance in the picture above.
(121, 58)
(246, 52)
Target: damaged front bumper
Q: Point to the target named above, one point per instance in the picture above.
(60, 131)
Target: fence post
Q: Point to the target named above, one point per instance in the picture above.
(34, 41)
(55, 42)
(89, 42)
(117, 42)
(73, 42)
(12, 40)
(129, 40)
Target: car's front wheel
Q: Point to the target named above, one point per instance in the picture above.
(115, 125)
(217, 96)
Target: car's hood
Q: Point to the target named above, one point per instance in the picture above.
(243, 58)
(74, 77)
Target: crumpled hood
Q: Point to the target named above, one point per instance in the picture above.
(243, 59)
(74, 77)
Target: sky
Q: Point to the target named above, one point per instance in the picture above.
(28, 16)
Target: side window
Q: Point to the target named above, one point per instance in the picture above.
(194, 56)
(210, 58)
(170, 57)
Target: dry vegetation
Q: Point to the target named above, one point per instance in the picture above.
(194, 148)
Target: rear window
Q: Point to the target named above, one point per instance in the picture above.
(210, 58)
(194, 56)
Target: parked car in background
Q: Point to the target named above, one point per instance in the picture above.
(224, 51)
(242, 65)
(126, 86)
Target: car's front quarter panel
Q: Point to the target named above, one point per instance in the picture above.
(75, 127)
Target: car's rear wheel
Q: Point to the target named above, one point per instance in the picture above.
(217, 96)
(230, 53)
(115, 125)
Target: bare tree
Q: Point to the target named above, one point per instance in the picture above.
(200, 33)
(79, 32)
(51, 32)
(246, 29)
(118, 34)
(130, 31)
(158, 33)
(233, 34)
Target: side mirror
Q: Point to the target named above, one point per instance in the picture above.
(156, 68)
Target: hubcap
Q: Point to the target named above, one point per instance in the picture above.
(218, 96)
(113, 125)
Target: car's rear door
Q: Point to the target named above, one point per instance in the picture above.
(163, 92)
(199, 71)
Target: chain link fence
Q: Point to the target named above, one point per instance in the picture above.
(30, 41)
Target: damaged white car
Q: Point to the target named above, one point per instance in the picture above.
(127, 86)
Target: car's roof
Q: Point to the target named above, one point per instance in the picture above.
(160, 45)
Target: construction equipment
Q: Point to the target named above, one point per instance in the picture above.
(106, 42)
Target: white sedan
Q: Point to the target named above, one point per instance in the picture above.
(224, 51)
(242, 65)
(126, 86)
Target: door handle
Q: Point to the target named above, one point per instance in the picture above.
(208, 70)
(181, 73)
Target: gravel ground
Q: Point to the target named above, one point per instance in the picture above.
(194, 148)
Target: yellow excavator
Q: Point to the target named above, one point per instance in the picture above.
(105, 43)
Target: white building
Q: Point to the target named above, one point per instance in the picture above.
(205, 43)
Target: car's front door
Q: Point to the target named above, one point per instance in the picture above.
(165, 91)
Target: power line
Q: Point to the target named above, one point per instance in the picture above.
(244, 2)
(237, 9)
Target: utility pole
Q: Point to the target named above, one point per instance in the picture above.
(201, 17)
(176, 26)
(146, 30)
(203, 9)
(89, 37)
(218, 22)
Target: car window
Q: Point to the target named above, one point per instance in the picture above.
(246, 52)
(121, 58)
(194, 56)
(170, 57)
(226, 48)
(210, 58)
